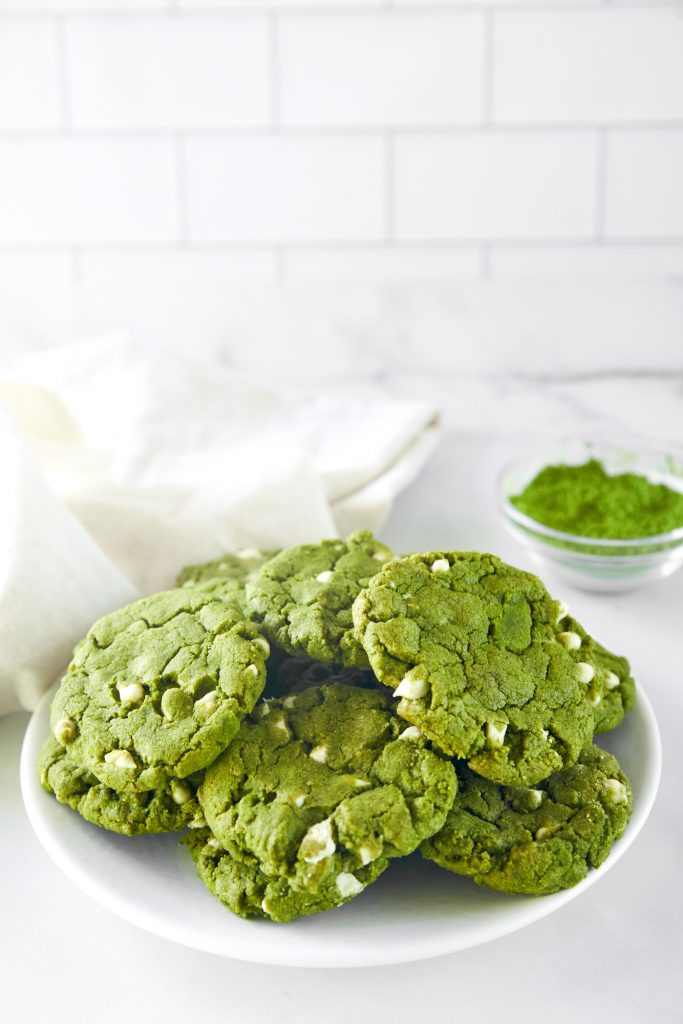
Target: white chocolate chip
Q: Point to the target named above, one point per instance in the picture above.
(130, 692)
(249, 553)
(262, 644)
(265, 907)
(616, 791)
(213, 843)
(348, 884)
(261, 710)
(441, 565)
(572, 641)
(318, 843)
(413, 686)
(496, 733)
(381, 556)
(207, 704)
(325, 577)
(545, 734)
(366, 855)
(198, 823)
(120, 759)
(535, 798)
(584, 672)
(279, 723)
(411, 733)
(319, 754)
(361, 783)
(180, 791)
(299, 801)
(290, 701)
(612, 680)
(562, 611)
(543, 833)
(65, 731)
(251, 670)
(594, 699)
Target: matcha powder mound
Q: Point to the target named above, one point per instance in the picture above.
(587, 501)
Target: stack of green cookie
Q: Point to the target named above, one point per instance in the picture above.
(441, 702)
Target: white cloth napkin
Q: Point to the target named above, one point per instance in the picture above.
(151, 460)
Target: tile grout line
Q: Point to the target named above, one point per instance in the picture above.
(76, 268)
(485, 262)
(279, 264)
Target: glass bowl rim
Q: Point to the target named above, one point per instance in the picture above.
(534, 526)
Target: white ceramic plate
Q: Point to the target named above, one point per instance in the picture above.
(414, 911)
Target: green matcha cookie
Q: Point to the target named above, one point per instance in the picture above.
(303, 596)
(226, 576)
(170, 809)
(610, 687)
(245, 890)
(321, 790)
(470, 646)
(157, 689)
(539, 840)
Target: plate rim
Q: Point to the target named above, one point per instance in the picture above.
(537, 909)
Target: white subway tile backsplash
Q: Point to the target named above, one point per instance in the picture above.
(177, 267)
(644, 186)
(69, 6)
(382, 264)
(21, 269)
(496, 185)
(612, 261)
(588, 65)
(29, 82)
(294, 188)
(382, 69)
(172, 73)
(291, 5)
(95, 190)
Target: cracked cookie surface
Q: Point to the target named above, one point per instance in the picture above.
(158, 689)
(303, 596)
(225, 577)
(170, 809)
(540, 840)
(321, 789)
(469, 644)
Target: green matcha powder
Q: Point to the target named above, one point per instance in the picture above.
(587, 501)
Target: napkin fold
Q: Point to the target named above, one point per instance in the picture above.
(134, 462)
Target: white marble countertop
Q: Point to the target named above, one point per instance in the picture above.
(614, 954)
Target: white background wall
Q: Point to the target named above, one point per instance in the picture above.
(339, 139)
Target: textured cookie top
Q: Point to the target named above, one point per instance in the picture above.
(157, 689)
(247, 891)
(536, 840)
(610, 687)
(323, 784)
(226, 576)
(471, 647)
(303, 596)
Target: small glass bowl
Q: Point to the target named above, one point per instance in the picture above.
(592, 563)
